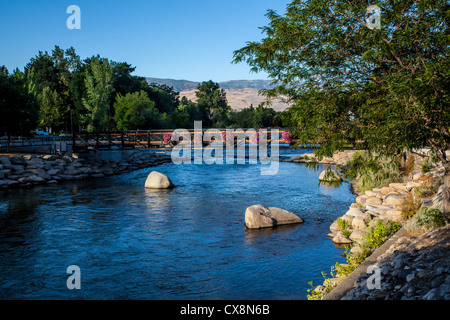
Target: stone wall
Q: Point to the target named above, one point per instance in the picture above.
(25, 170)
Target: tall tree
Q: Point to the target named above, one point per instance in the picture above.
(44, 72)
(348, 80)
(53, 108)
(165, 97)
(212, 103)
(19, 109)
(135, 111)
(98, 80)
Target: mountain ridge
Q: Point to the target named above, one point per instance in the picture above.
(240, 93)
(183, 84)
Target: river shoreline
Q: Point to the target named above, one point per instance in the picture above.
(411, 265)
(27, 170)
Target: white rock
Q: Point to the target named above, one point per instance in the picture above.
(358, 223)
(355, 212)
(398, 186)
(373, 201)
(259, 216)
(329, 175)
(339, 238)
(393, 199)
(357, 235)
(158, 180)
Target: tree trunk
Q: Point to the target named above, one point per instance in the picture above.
(446, 205)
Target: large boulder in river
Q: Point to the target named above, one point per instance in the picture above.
(259, 216)
(158, 180)
(330, 175)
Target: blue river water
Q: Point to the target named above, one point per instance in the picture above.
(189, 242)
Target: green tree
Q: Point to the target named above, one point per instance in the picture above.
(98, 80)
(165, 97)
(57, 72)
(53, 109)
(19, 109)
(212, 104)
(4, 70)
(349, 81)
(135, 111)
(123, 81)
(44, 72)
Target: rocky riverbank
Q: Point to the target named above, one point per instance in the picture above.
(416, 266)
(26, 170)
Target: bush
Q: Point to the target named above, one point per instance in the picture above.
(410, 205)
(377, 234)
(372, 171)
(409, 165)
(426, 166)
(426, 219)
(342, 224)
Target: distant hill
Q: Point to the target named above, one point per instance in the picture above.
(178, 85)
(240, 93)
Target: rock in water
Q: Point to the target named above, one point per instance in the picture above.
(158, 180)
(259, 216)
(330, 175)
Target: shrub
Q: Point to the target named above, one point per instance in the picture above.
(426, 166)
(426, 219)
(377, 234)
(409, 165)
(372, 171)
(410, 205)
(342, 224)
(430, 188)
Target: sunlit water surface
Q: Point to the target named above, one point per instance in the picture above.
(189, 242)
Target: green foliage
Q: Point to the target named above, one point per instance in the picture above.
(347, 82)
(372, 170)
(342, 224)
(19, 110)
(377, 234)
(338, 271)
(261, 117)
(135, 111)
(165, 97)
(426, 219)
(53, 108)
(426, 166)
(98, 79)
(212, 104)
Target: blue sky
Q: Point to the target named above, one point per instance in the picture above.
(178, 39)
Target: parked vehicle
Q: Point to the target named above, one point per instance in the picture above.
(40, 133)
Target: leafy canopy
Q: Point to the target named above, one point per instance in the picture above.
(348, 82)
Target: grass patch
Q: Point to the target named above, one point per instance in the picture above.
(372, 171)
(426, 219)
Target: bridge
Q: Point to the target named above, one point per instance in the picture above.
(138, 139)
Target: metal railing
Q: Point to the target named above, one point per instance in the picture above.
(39, 144)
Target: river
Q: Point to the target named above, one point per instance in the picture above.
(189, 242)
